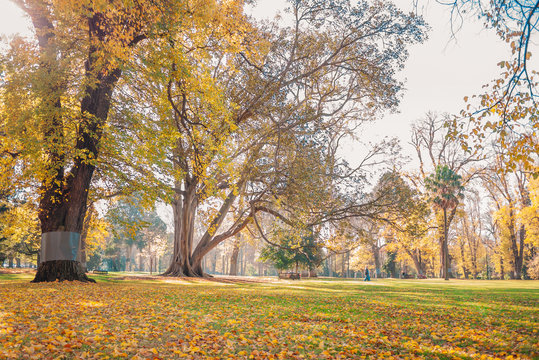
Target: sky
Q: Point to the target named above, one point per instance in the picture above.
(437, 75)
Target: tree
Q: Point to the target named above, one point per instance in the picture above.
(57, 93)
(408, 230)
(434, 147)
(446, 190)
(277, 100)
(286, 252)
(469, 235)
(135, 230)
(510, 194)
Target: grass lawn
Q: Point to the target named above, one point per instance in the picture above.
(150, 318)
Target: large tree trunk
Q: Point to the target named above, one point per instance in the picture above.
(184, 212)
(63, 203)
(185, 260)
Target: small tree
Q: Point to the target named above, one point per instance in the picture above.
(446, 190)
(289, 253)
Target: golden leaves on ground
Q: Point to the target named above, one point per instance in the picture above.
(197, 319)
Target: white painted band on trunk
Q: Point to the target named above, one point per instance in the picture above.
(59, 245)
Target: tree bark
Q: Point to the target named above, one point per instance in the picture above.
(446, 249)
(463, 257)
(377, 262)
(234, 257)
(184, 212)
(416, 258)
(185, 260)
(343, 265)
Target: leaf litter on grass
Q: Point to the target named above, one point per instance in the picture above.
(157, 319)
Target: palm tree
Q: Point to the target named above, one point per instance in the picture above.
(446, 190)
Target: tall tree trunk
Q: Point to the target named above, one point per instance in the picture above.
(446, 249)
(214, 263)
(186, 261)
(377, 262)
(516, 251)
(463, 257)
(63, 204)
(347, 264)
(343, 265)
(243, 258)
(234, 257)
(520, 258)
(502, 270)
(184, 212)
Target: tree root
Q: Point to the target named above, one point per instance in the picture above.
(61, 270)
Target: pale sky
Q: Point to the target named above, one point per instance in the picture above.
(438, 74)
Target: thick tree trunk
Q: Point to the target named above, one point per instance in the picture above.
(185, 260)
(184, 212)
(61, 270)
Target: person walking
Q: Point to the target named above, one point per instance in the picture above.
(367, 275)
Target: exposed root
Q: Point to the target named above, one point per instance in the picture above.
(61, 270)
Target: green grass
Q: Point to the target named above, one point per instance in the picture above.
(196, 319)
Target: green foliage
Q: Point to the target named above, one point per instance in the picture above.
(445, 187)
(288, 253)
(132, 226)
(390, 265)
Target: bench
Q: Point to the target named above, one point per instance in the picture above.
(290, 276)
(104, 272)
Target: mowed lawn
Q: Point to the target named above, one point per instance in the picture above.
(148, 318)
